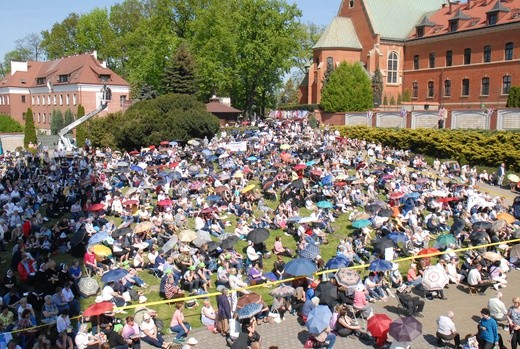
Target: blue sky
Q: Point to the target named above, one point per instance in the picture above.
(22, 17)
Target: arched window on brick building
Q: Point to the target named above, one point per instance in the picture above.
(392, 68)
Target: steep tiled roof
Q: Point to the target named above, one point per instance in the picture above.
(339, 34)
(471, 16)
(79, 69)
(394, 19)
(217, 107)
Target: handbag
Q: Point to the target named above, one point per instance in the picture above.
(275, 315)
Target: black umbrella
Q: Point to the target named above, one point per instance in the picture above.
(385, 212)
(372, 209)
(478, 237)
(258, 235)
(122, 232)
(482, 225)
(78, 237)
(213, 245)
(297, 184)
(457, 226)
(327, 292)
(380, 245)
(229, 242)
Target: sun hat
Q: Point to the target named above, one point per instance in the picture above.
(192, 341)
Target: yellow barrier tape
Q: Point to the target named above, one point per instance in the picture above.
(272, 283)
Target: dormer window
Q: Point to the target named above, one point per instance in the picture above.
(104, 77)
(454, 25)
(420, 32)
(63, 78)
(492, 18)
(40, 81)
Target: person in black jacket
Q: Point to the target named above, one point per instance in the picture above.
(115, 340)
(413, 305)
(224, 313)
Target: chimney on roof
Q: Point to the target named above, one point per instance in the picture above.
(451, 8)
(94, 54)
(468, 5)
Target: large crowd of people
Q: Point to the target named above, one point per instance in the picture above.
(182, 208)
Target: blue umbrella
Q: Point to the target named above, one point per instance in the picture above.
(252, 158)
(113, 275)
(249, 310)
(212, 158)
(327, 180)
(318, 319)
(173, 143)
(413, 195)
(175, 176)
(337, 262)
(325, 204)
(136, 168)
(361, 223)
(380, 265)
(310, 163)
(97, 238)
(398, 237)
(213, 198)
(207, 152)
(310, 252)
(300, 267)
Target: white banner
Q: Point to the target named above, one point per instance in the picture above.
(237, 146)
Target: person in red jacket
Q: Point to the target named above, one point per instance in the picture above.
(26, 269)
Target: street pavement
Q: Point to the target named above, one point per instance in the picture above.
(290, 334)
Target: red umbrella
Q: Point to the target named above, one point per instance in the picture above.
(98, 309)
(396, 195)
(340, 184)
(378, 325)
(134, 152)
(164, 143)
(165, 202)
(286, 157)
(300, 167)
(130, 202)
(173, 164)
(152, 147)
(208, 210)
(316, 173)
(428, 250)
(445, 200)
(96, 207)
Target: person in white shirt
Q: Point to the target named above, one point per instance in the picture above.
(497, 308)
(452, 271)
(446, 329)
(252, 256)
(85, 340)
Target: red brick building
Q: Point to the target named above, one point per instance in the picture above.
(453, 55)
(60, 84)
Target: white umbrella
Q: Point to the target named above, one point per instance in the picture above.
(434, 278)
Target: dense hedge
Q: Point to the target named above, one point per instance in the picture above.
(8, 124)
(473, 147)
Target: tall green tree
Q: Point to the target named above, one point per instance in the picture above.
(289, 93)
(307, 35)
(513, 99)
(30, 130)
(252, 58)
(179, 74)
(81, 130)
(349, 89)
(68, 117)
(57, 122)
(60, 40)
